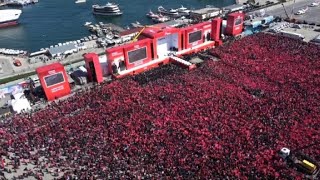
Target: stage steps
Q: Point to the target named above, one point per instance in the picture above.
(182, 62)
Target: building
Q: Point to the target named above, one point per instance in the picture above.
(63, 50)
(205, 13)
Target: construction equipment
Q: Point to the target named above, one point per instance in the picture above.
(136, 37)
(144, 27)
(285, 11)
(301, 162)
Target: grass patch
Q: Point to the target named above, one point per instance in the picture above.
(13, 78)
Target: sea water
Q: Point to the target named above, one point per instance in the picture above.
(56, 21)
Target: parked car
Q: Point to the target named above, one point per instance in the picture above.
(17, 62)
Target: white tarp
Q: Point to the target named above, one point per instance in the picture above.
(20, 103)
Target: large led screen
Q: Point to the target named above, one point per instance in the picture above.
(195, 36)
(54, 79)
(238, 21)
(137, 55)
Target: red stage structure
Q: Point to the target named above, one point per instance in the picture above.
(54, 81)
(235, 23)
(165, 40)
(128, 56)
(196, 34)
(216, 24)
(158, 44)
(93, 67)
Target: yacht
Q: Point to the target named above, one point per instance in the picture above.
(110, 9)
(80, 1)
(87, 23)
(183, 11)
(151, 15)
(161, 19)
(136, 24)
(171, 12)
(9, 17)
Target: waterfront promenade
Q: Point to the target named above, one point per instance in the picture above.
(10, 70)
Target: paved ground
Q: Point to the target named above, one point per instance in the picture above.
(29, 168)
(308, 33)
(6, 65)
(312, 15)
(10, 69)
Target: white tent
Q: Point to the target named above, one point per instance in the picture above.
(19, 103)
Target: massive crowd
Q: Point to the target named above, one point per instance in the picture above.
(225, 120)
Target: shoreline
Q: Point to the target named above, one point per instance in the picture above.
(29, 70)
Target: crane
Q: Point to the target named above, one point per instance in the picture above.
(285, 11)
(139, 33)
(294, 2)
(135, 38)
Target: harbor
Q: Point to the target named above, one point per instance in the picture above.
(17, 3)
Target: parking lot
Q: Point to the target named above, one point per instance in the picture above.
(312, 15)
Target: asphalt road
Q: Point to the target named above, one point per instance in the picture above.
(312, 14)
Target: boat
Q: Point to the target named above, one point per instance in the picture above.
(136, 24)
(151, 15)
(183, 11)
(9, 17)
(171, 12)
(110, 9)
(20, 3)
(87, 23)
(161, 19)
(80, 1)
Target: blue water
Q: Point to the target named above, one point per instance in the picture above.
(52, 21)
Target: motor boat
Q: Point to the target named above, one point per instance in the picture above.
(80, 1)
(110, 9)
(183, 11)
(171, 12)
(151, 15)
(20, 3)
(87, 23)
(161, 19)
(136, 24)
(9, 17)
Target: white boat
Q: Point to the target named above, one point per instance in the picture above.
(183, 11)
(9, 17)
(136, 24)
(20, 3)
(110, 9)
(151, 15)
(87, 23)
(161, 19)
(80, 1)
(171, 12)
